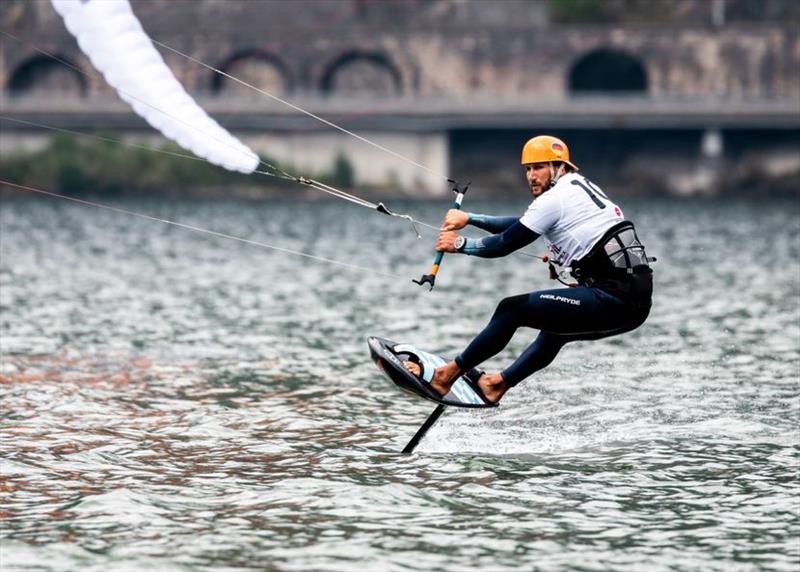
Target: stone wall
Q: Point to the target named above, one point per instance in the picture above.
(419, 48)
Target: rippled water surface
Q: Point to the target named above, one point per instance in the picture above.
(172, 401)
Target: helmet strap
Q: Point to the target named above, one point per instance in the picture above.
(555, 174)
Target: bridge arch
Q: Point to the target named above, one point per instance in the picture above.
(361, 73)
(40, 75)
(607, 70)
(257, 67)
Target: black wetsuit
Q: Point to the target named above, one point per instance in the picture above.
(609, 300)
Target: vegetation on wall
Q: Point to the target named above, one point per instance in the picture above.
(71, 165)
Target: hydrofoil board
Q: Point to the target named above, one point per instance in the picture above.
(389, 357)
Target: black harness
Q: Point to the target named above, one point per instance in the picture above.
(618, 263)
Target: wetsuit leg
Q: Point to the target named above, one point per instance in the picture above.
(546, 346)
(536, 356)
(562, 315)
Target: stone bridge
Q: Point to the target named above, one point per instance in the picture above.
(429, 66)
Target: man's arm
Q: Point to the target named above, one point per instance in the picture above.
(457, 219)
(516, 236)
(493, 224)
(513, 238)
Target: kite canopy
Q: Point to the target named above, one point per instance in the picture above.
(111, 36)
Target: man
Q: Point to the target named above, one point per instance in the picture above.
(584, 231)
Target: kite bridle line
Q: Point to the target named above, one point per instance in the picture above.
(380, 207)
(274, 170)
(303, 111)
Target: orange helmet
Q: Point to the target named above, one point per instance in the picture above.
(544, 149)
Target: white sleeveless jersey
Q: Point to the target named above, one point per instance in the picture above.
(571, 216)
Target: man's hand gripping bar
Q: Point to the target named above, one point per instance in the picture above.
(431, 278)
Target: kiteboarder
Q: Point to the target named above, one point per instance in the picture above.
(585, 233)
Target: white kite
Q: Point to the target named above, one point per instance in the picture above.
(111, 36)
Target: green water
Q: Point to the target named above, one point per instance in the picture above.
(172, 401)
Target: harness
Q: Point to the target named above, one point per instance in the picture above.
(617, 262)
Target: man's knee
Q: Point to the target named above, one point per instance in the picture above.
(509, 308)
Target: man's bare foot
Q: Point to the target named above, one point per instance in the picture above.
(493, 386)
(444, 377)
(413, 368)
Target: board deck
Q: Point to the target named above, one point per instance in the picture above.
(389, 357)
